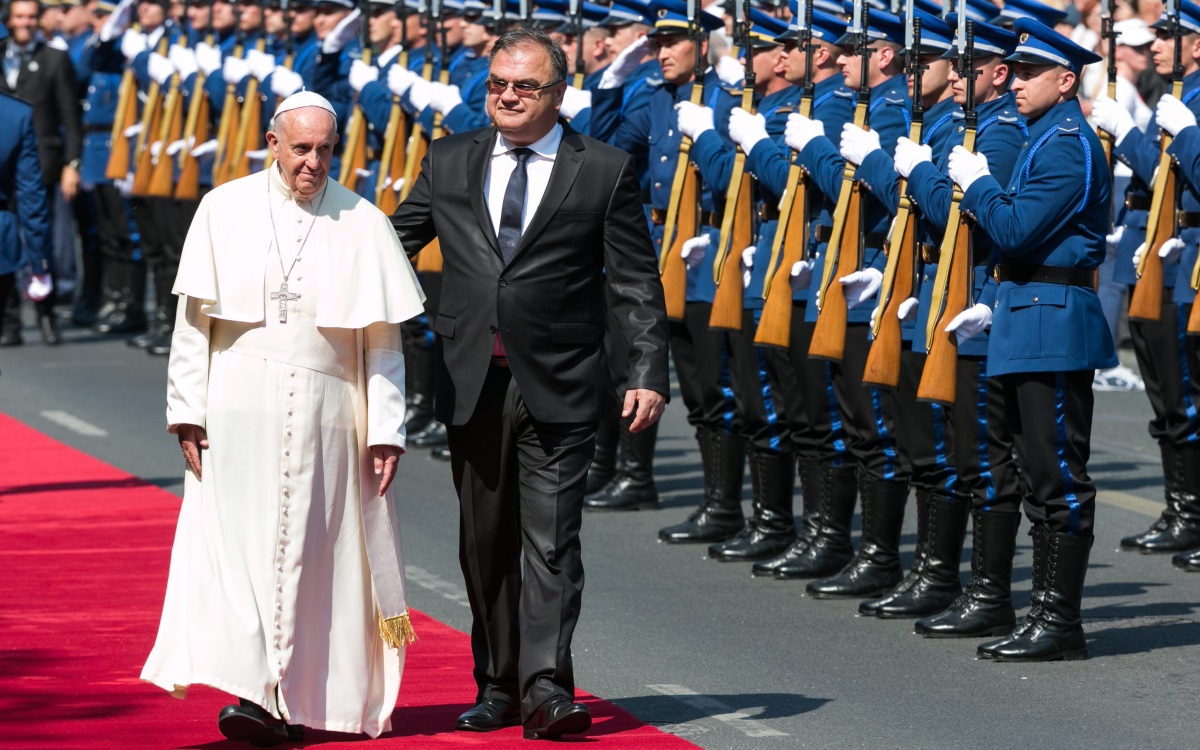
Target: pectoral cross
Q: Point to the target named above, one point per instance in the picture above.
(284, 298)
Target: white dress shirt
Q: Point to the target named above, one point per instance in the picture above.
(538, 169)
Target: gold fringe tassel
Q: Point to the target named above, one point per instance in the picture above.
(397, 632)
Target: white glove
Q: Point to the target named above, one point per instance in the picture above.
(575, 101)
(1173, 115)
(398, 185)
(285, 82)
(40, 286)
(730, 71)
(747, 266)
(184, 61)
(694, 249)
(694, 119)
(261, 64)
(800, 130)
(746, 129)
(133, 131)
(857, 143)
(966, 167)
(257, 156)
(205, 149)
(160, 68)
(118, 20)
(155, 150)
(399, 79)
(235, 69)
(58, 43)
(623, 66)
(1168, 252)
(208, 58)
(133, 43)
(346, 30)
(174, 147)
(909, 154)
(420, 93)
(444, 97)
(124, 186)
(908, 309)
(1115, 238)
(801, 275)
(1111, 117)
(361, 74)
(971, 321)
(861, 286)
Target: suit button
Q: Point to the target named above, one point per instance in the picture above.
(491, 329)
(503, 282)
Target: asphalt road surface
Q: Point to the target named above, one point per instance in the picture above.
(703, 650)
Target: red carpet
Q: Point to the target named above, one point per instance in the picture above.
(84, 550)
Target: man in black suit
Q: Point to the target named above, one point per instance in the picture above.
(44, 77)
(534, 222)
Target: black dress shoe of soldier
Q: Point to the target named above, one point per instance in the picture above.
(556, 717)
(246, 721)
(489, 715)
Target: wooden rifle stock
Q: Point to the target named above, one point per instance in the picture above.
(1106, 138)
(354, 156)
(430, 260)
(682, 221)
(162, 179)
(1146, 301)
(791, 239)
(125, 115)
(883, 360)
(230, 117)
(739, 229)
(248, 134)
(1193, 326)
(194, 133)
(391, 160)
(152, 117)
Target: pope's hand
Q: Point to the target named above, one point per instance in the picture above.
(693, 250)
(746, 130)
(800, 130)
(909, 154)
(861, 286)
(346, 29)
(575, 101)
(965, 167)
(192, 439)
(801, 275)
(1111, 117)
(386, 458)
(694, 119)
(285, 82)
(646, 404)
(857, 143)
(623, 66)
(908, 309)
(748, 266)
(1173, 115)
(970, 322)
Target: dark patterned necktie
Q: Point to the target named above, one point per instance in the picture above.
(514, 204)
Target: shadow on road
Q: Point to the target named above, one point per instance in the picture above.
(679, 709)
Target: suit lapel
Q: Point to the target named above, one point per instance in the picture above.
(567, 164)
(477, 164)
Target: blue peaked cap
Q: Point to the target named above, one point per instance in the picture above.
(670, 17)
(1015, 9)
(826, 27)
(1039, 44)
(989, 39)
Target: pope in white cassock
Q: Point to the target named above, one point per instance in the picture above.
(286, 390)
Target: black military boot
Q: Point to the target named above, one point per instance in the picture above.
(937, 582)
(604, 463)
(1038, 534)
(129, 314)
(86, 309)
(162, 323)
(810, 487)
(870, 608)
(830, 548)
(1056, 630)
(633, 486)
(110, 294)
(985, 606)
(433, 436)
(1189, 561)
(418, 384)
(10, 332)
(720, 514)
(876, 566)
(165, 310)
(771, 527)
(1171, 486)
(48, 321)
(1183, 532)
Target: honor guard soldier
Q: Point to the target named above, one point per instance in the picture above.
(1167, 355)
(866, 412)
(810, 64)
(1048, 333)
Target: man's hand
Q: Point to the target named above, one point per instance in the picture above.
(192, 439)
(648, 404)
(861, 286)
(909, 154)
(800, 130)
(69, 182)
(386, 458)
(857, 143)
(1172, 115)
(1112, 118)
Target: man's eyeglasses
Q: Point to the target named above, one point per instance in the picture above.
(496, 87)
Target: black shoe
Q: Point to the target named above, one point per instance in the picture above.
(771, 528)
(876, 566)
(440, 454)
(1189, 561)
(246, 721)
(1053, 629)
(49, 328)
(835, 490)
(161, 345)
(489, 715)
(936, 584)
(719, 517)
(556, 717)
(985, 607)
(11, 338)
(433, 436)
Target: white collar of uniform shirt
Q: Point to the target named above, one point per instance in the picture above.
(537, 169)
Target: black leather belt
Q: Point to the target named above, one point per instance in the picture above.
(1022, 273)
(98, 129)
(1187, 219)
(930, 253)
(871, 239)
(768, 212)
(1137, 202)
(658, 216)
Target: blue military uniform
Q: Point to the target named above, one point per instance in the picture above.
(1048, 229)
(24, 211)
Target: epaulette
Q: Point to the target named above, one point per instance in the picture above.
(843, 93)
(785, 110)
(898, 102)
(653, 82)
(1068, 129)
(734, 90)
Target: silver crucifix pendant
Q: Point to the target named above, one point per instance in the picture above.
(284, 298)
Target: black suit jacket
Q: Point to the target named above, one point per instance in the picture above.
(47, 81)
(548, 302)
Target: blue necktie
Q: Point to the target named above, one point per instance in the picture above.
(514, 204)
